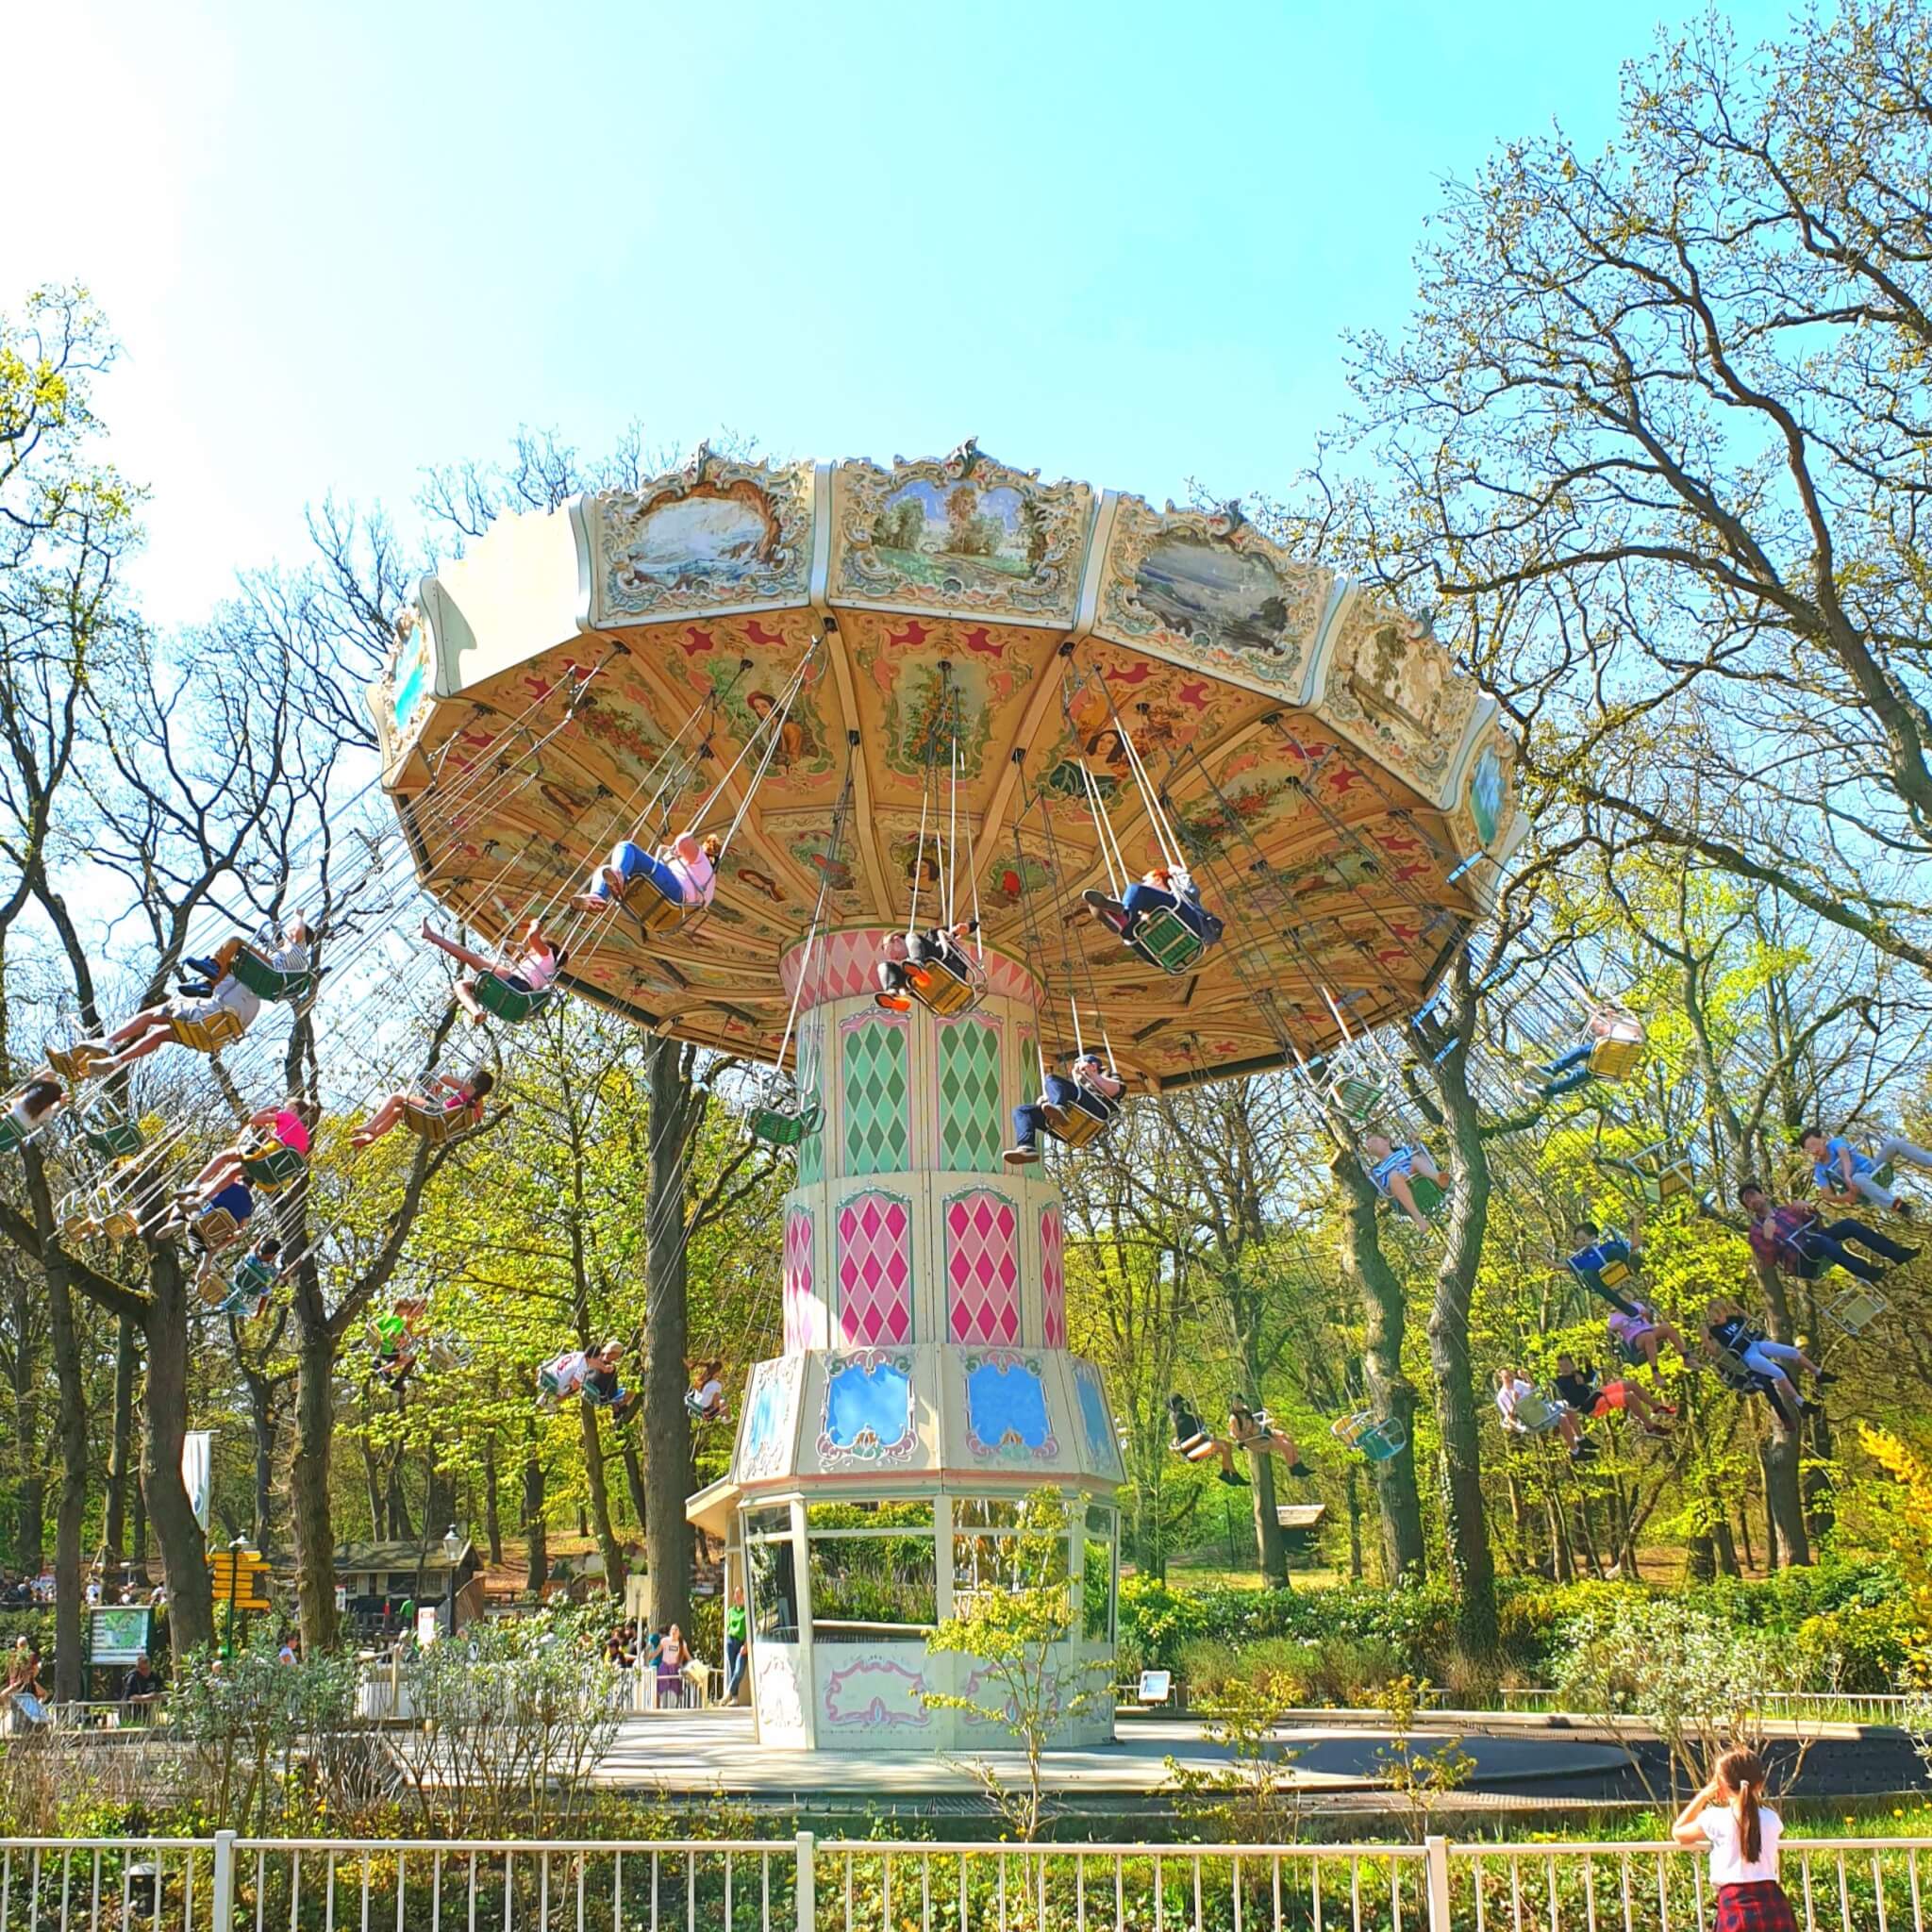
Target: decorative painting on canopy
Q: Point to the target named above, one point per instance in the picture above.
(867, 1420)
(1007, 1415)
(1212, 589)
(746, 703)
(1394, 689)
(962, 533)
(715, 533)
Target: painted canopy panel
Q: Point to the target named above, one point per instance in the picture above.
(1323, 765)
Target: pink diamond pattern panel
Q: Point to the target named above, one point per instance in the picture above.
(805, 1325)
(982, 1268)
(874, 1271)
(1053, 1279)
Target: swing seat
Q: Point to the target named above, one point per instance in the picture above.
(11, 1139)
(1536, 1415)
(115, 1140)
(79, 1062)
(120, 1224)
(506, 1003)
(1613, 1274)
(1615, 1059)
(215, 1229)
(77, 1222)
(1675, 1178)
(1736, 1373)
(1429, 1195)
(273, 1167)
(446, 1354)
(211, 1288)
(940, 991)
(436, 1125)
(270, 982)
(1074, 1127)
(1165, 940)
(1360, 1100)
(779, 1127)
(1378, 1441)
(206, 1035)
(656, 917)
(1856, 1309)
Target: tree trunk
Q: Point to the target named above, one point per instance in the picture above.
(1352, 1480)
(30, 1482)
(1726, 1549)
(1270, 1544)
(1465, 1527)
(608, 1546)
(1390, 1393)
(121, 1451)
(70, 1509)
(1700, 1559)
(311, 1525)
(183, 1547)
(666, 1423)
(438, 1499)
(634, 1480)
(492, 1520)
(535, 1540)
(1784, 1506)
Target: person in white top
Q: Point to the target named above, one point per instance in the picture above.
(684, 873)
(28, 1112)
(1525, 1413)
(530, 972)
(1729, 1816)
(706, 1400)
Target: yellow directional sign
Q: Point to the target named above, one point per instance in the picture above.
(241, 1580)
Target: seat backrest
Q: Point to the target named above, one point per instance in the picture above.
(1164, 938)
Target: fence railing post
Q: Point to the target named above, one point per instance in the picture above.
(221, 1912)
(1436, 1855)
(806, 1889)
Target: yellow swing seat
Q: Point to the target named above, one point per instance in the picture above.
(208, 1033)
(1619, 1052)
(658, 917)
(1074, 1126)
(437, 1124)
(215, 1228)
(78, 1221)
(940, 991)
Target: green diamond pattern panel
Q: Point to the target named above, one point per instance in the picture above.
(811, 1150)
(970, 1097)
(876, 1082)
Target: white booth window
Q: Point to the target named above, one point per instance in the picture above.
(874, 1570)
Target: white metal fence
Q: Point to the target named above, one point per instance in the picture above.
(227, 1883)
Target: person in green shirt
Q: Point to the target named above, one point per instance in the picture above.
(737, 1636)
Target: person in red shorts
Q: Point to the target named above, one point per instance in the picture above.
(1581, 1390)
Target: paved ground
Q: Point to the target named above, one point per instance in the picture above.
(714, 1751)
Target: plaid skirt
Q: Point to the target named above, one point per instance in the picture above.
(1761, 1906)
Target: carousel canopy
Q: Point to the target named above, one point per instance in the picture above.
(988, 654)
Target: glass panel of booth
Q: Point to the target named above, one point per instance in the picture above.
(1099, 1572)
(874, 1570)
(774, 1574)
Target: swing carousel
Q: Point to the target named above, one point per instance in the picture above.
(943, 696)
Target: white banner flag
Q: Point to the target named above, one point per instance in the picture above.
(196, 1456)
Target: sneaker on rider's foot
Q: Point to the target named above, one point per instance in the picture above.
(893, 1002)
(1021, 1154)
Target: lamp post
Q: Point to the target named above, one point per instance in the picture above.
(235, 1550)
(452, 1548)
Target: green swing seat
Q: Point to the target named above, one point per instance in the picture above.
(1379, 1441)
(779, 1127)
(116, 1139)
(273, 1167)
(1165, 940)
(497, 996)
(1360, 1100)
(270, 982)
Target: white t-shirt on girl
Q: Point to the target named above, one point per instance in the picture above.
(1728, 1865)
(695, 875)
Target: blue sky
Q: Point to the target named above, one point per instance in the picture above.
(1114, 241)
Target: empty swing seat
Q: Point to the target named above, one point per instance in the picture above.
(1074, 1126)
(939, 990)
(1378, 1441)
(778, 1126)
(497, 996)
(1856, 1309)
(273, 1167)
(1360, 1100)
(1165, 940)
(207, 1034)
(271, 982)
(116, 1139)
(77, 1222)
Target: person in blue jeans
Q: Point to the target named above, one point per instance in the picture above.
(1843, 1171)
(737, 1641)
(1794, 1236)
(1165, 888)
(683, 873)
(1090, 1084)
